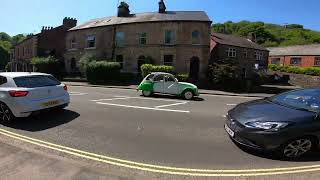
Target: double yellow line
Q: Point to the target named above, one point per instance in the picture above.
(156, 168)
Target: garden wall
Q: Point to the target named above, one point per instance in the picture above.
(302, 80)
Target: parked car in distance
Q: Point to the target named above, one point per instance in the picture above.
(287, 124)
(166, 83)
(24, 93)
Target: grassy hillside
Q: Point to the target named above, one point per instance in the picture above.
(270, 35)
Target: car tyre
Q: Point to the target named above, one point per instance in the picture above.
(188, 94)
(296, 148)
(146, 93)
(5, 113)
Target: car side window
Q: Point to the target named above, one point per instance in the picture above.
(3, 80)
(158, 78)
(169, 78)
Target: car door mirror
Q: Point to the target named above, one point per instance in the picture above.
(176, 80)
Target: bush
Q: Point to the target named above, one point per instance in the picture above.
(8, 67)
(183, 77)
(314, 71)
(221, 73)
(49, 65)
(102, 71)
(84, 61)
(149, 68)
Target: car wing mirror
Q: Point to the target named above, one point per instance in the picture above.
(176, 80)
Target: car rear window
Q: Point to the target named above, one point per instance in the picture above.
(36, 81)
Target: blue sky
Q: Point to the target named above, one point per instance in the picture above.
(20, 16)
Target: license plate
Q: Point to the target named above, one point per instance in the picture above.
(229, 131)
(51, 103)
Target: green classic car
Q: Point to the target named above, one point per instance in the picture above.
(166, 83)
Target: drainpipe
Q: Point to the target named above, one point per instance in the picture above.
(114, 42)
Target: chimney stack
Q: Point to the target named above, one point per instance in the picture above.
(69, 22)
(162, 7)
(123, 10)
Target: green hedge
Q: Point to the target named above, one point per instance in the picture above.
(102, 71)
(149, 68)
(183, 77)
(314, 71)
(49, 65)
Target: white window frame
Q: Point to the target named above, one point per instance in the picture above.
(317, 61)
(143, 36)
(258, 55)
(231, 52)
(91, 38)
(172, 37)
(73, 43)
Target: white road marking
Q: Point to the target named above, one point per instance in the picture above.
(77, 93)
(168, 105)
(140, 107)
(231, 104)
(110, 99)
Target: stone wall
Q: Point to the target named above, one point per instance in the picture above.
(302, 80)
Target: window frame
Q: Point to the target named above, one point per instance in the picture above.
(120, 39)
(231, 52)
(171, 37)
(295, 58)
(143, 38)
(317, 61)
(73, 43)
(258, 55)
(195, 40)
(276, 59)
(88, 41)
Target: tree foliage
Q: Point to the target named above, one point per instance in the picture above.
(269, 35)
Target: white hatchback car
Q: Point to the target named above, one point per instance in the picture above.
(24, 93)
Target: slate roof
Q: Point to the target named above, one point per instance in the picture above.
(300, 50)
(232, 40)
(146, 17)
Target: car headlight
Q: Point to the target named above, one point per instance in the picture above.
(267, 126)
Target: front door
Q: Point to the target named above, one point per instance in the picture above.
(194, 68)
(171, 86)
(158, 86)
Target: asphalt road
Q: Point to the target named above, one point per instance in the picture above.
(161, 131)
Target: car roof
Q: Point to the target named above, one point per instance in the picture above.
(21, 74)
(158, 73)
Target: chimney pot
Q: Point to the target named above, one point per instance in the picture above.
(162, 7)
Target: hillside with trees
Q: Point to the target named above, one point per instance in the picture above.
(6, 43)
(269, 35)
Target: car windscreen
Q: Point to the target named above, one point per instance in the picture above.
(307, 99)
(36, 81)
(150, 77)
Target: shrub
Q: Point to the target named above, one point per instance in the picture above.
(149, 68)
(314, 71)
(8, 67)
(183, 77)
(49, 65)
(220, 73)
(102, 71)
(84, 61)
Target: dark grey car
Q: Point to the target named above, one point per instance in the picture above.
(288, 123)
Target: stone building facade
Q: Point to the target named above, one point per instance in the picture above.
(50, 41)
(177, 38)
(247, 55)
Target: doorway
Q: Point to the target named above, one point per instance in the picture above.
(194, 68)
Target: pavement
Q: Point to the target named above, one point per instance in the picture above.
(109, 133)
(201, 91)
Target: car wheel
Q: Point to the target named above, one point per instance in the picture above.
(146, 93)
(297, 148)
(188, 95)
(5, 113)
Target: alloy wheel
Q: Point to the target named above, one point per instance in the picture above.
(5, 113)
(297, 148)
